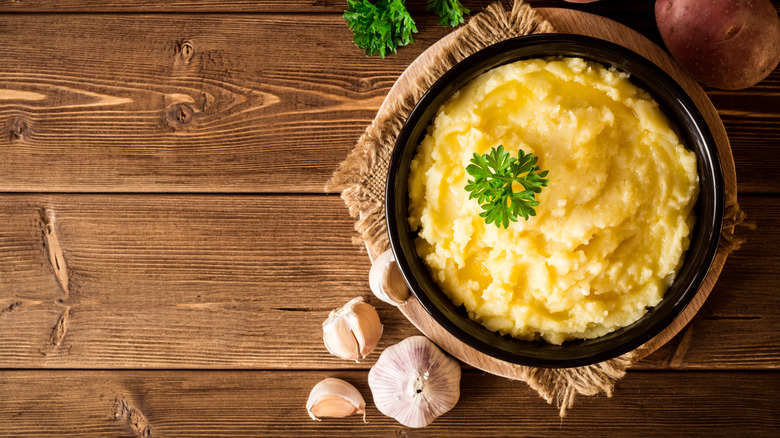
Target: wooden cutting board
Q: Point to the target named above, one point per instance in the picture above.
(576, 22)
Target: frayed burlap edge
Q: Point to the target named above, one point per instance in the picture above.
(361, 180)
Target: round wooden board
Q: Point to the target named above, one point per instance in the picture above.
(576, 22)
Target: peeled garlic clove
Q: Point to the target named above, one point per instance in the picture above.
(386, 280)
(335, 398)
(414, 382)
(353, 331)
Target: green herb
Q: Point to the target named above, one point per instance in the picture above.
(450, 11)
(380, 28)
(494, 173)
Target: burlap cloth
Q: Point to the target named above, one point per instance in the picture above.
(361, 180)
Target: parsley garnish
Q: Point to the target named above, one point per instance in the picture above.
(494, 173)
(450, 11)
(380, 28)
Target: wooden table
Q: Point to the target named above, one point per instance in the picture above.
(167, 253)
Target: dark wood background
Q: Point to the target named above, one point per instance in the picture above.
(167, 252)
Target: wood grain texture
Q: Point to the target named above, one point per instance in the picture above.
(245, 403)
(186, 281)
(247, 96)
(216, 103)
(208, 103)
(638, 10)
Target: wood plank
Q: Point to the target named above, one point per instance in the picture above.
(216, 103)
(161, 281)
(241, 403)
(189, 6)
(184, 102)
(186, 281)
(638, 10)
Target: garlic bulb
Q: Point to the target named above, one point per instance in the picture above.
(386, 280)
(335, 398)
(352, 331)
(414, 382)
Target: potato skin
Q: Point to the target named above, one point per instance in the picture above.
(727, 44)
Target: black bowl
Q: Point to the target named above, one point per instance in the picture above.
(693, 132)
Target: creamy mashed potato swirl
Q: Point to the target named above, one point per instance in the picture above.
(611, 228)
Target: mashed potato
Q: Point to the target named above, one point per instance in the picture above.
(611, 228)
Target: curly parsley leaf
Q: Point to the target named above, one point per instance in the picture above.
(494, 174)
(450, 12)
(380, 28)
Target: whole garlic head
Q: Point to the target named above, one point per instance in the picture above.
(335, 398)
(414, 382)
(353, 331)
(386, 280)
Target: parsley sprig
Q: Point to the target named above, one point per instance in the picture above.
(450, 12)
(380, 28)
(494, 173)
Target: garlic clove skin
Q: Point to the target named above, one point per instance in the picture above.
(335, 398)
(369, 328)
(339, 339)
(414, 382)
(352, 331)
(386, 280)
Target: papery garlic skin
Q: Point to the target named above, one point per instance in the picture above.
(335, 398)
(352, 331)
(414, 382)
(386, 281)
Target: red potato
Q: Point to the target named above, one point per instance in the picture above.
(727, 44)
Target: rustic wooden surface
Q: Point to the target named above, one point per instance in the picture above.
(248, 403)
(167, 254)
